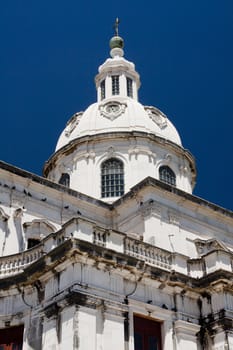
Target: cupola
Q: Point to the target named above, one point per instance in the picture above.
(117, 76)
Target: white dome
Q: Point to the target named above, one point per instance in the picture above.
(118, 127)
(118, 115)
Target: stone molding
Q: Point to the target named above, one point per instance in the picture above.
(173, 217)
(136, 150)
(112, 109)
(156, 116)
(72, 123)
(206, 246)
(151, 208)
(186, 329)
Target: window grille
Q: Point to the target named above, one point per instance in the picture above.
(102, 89)
(115, 85)
(65, 180)
(129, 87)
(167, 175)
(112, 178)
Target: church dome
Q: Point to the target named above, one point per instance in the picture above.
(117, 107)
(117, 142)
(118, 114)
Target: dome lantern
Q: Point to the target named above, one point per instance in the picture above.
(117, 77)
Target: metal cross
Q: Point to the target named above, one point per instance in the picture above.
(116, 25)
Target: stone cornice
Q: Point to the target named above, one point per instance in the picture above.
(218, 321)
(149, 181)
(50, 184)
(154, 183)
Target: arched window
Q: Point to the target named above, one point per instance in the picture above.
(112, 178)
(167, 175)
(65, 180)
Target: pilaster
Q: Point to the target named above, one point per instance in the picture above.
(186, 335)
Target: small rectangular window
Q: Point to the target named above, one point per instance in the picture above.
(129, 87)
(102, 89)
(115, 85)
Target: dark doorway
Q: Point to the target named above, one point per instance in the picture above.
(32, 242)
(147, 334)
(11, 338)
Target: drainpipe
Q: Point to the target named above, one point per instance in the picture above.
(126, 315)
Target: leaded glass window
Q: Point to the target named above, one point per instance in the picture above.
(129, 87)
(115, 85)
(112, 178)
(167, 175)
(102, 89)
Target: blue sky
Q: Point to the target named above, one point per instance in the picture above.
(50, 53)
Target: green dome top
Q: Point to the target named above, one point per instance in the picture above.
(116, 42)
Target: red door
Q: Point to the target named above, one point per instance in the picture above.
(11, 346)
(147, 334)
(11, 338)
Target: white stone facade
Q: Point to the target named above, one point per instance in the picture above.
(78, 271)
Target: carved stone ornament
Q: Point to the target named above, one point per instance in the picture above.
(111, 152)
(206, 246)
(168, 158)
(72, 123)
(157, 116)
(112, 110)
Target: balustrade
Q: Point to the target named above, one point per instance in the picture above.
(148, 253)
(99, 237)
(13, 264)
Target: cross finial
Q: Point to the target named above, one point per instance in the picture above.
(116, 25)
